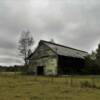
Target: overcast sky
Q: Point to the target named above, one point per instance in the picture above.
(74, 23)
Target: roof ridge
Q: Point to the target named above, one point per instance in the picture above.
(62, 46)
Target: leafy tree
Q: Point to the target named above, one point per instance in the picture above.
(92, 65)
(25, 43)
(98, 55)
(93, 55)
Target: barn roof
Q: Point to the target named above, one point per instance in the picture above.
(64, 50)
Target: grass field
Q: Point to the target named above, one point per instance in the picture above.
(22, 87)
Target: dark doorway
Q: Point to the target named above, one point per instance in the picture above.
(70, 65)
(40, 70)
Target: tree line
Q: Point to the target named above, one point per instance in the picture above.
(15, 68)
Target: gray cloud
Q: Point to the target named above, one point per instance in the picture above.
(71, 23)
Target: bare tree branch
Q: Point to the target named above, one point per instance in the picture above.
(25, 43)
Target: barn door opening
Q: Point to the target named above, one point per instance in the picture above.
(40, 70)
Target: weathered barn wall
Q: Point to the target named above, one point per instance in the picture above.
(51, 66)
(44, 57)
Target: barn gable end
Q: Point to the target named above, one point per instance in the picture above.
(44, 59)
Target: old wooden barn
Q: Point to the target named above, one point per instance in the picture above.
(54, 59)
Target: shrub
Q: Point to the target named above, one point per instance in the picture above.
(86, 84)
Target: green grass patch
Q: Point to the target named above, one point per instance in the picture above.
(14, 86)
